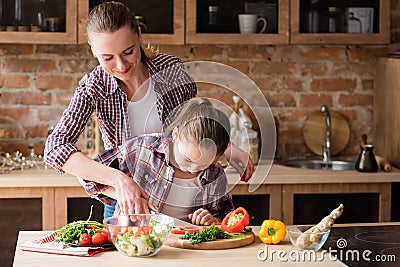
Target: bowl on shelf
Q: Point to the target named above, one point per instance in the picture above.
(139, 234)
(306, 241)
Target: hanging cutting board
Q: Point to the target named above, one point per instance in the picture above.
(174, 241)
(314, 132)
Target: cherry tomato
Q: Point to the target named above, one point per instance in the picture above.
(178, 231)
(114, 235)
(99, 239)
(85, 239)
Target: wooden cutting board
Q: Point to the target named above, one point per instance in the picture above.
(314, 132)
(174, 241)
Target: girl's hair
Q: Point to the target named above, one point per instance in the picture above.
(110, 17)
(199, 120)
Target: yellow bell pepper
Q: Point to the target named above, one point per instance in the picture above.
(272, 231)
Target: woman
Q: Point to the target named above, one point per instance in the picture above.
(117, 90)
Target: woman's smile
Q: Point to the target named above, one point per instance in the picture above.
(122, 72)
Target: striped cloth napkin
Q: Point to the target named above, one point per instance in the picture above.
(47, 244)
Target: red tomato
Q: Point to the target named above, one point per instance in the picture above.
(144, 230)
(147, 230)
(193, 230)
(85, 239)
(178, 231)
(114, 235)
(98, 239)
(106, 237)
(218, 225)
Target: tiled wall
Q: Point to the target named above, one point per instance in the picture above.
(37, 81)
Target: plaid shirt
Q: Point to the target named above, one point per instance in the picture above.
(145, 159)
(99, 92)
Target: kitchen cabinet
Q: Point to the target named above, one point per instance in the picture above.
(386, 122)
(293, 18)
(59, 15)
(178, 22)
(44, 195)
(360, 207)
(164, 19)
(73, 14)
(72, 204)
(198, 30)
(17, 214)
(373, 200)
(29, 208)
(303, 15)
(257, 205)
(386, 109)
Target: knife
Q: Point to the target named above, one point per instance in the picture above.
(180, 223)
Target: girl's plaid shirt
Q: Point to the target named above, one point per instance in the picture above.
(145, 159)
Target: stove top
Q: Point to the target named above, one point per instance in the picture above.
(365, 245)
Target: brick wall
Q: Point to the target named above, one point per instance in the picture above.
(37, 81)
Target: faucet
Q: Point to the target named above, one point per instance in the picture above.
(326, 148)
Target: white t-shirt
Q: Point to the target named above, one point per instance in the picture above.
(180, 199)
(143, 114)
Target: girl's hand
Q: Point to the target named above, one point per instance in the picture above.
(237, 157)
(202, 217)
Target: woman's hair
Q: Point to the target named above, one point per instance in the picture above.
(110, 17)
(199, 120)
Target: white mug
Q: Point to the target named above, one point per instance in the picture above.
(248, 23)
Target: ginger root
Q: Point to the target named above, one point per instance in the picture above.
(311, 235)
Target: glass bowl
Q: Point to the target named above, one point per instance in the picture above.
(306, 241)
(139, 234)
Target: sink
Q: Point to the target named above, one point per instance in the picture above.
(319, 164)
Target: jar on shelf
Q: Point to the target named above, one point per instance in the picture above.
(246, 139)
(332, 20)
(213, 13)
(313, 21)
(38, 23)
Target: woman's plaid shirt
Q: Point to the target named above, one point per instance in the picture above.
(99, 92)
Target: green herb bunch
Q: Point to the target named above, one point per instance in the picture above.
(209, 234)
(69, 234)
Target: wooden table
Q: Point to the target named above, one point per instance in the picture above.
(168, 256)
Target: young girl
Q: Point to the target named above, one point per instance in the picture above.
(177, 170)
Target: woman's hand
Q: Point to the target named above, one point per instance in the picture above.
(128, 195)
(202, 217)
(238, 158)
(121, 186)
(145, 204)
